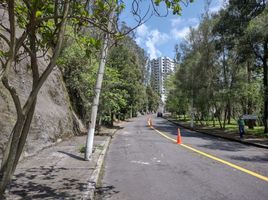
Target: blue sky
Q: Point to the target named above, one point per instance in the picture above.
(159, 35)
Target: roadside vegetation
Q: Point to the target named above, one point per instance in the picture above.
(221, 70)
(124, 93)
(213, 125)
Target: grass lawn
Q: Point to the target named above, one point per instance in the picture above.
(258, 130)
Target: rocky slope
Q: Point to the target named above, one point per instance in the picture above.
(53, 118)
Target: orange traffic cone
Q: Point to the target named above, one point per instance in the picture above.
(179, 140)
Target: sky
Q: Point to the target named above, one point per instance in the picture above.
(159, 35)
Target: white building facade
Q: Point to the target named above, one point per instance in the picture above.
(160, 69)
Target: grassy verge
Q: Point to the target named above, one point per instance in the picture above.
(232, 127)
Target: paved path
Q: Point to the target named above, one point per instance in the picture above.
(143, 165)
(58, 172)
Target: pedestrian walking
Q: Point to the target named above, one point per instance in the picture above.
(241, 125)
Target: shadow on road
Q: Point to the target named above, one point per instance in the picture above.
(220, 144)
(260, 159)
(105, 192)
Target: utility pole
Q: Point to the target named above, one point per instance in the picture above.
(94, 108)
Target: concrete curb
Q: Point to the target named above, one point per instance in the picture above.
(92, 182)
(219, 136)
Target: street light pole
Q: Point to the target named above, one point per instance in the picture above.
(94, 109)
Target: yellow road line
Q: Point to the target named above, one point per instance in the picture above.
(164, 135)
(265, 178)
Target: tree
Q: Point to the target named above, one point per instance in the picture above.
(258, 37)
(129, 59)
(29, 17)
(220, 64)
(78, 63)
(153, 99)
(194, 83)
(242, 23)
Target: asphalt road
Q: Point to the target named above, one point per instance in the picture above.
(143, 165)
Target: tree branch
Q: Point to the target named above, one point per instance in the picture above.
(5, 28)
(157, 12)
(3, 64)
(52, 63)
(14, 95)
(19, 41)
(12, 32)
(11, 13)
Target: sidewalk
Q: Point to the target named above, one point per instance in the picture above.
(60, 172)
(248, 139)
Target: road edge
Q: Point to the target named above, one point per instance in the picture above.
(95, 176)
(219, 136)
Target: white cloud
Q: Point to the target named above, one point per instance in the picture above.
(215, 9)
(193, 21)
(181, 27)
(142, 30)
(176, 21)
(180, 21)
(155, 38)
(151, 39)
(220, 4)
(139, 41)
(158, 37)
(180, 33)
(223, 2)
(152, 50)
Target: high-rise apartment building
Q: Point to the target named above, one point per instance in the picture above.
(160, 69)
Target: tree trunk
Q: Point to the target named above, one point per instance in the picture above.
(7, 167)
(100, 121)
(130, 115)
(17, 142)
(229, 113)
(20, 131)
(112, 119)
(213, 119)
(24, 134)
(225, 116)
(249, 99)
(219, 119)
(265, 84)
